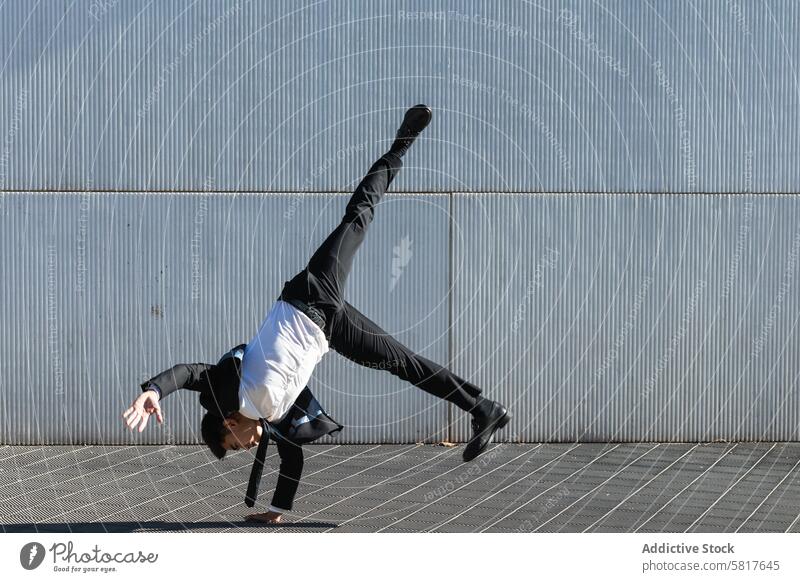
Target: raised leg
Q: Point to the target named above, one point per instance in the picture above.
(322, 282)
(332, 261)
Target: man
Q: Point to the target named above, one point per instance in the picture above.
(258, 391)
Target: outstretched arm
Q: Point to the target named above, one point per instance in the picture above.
(185, 376)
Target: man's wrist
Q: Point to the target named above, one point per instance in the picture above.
(154, 388)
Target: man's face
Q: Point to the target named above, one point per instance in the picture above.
(243, 433)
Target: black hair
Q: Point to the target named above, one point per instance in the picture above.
(213, 432)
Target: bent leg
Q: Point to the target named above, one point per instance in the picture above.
(362, 341)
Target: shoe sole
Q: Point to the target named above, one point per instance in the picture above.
(428, 120)
(500, 424)
(429, 115)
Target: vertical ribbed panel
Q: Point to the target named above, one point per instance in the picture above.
(102, 291)
(593, 317)
(630, 317)
(528, 97)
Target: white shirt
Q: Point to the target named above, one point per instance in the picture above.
(278, 362)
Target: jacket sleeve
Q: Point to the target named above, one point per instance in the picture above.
(290, 472)
(186, 376)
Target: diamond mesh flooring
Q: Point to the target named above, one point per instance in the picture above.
(604, 487)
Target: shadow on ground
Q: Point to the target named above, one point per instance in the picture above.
(152, 526)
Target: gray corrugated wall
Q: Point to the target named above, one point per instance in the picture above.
(594, 317)
(631, 317)
(597, 317)
(670, 96)
(105, 290)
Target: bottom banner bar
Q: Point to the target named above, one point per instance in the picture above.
(355, 557)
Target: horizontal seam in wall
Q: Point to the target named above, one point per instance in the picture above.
(416, 192)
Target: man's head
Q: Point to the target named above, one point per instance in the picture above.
(229, 434)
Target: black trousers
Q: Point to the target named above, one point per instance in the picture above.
(351, 333)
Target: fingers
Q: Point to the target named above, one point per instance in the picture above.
(154, 408)
(263, 517)
(138, 414)
(137, 405)
(134, 419)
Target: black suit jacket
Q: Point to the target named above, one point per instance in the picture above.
(218, 385)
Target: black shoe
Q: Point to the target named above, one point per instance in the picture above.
(416, 119)
(483, 427)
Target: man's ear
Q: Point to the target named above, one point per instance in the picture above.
(230, 422)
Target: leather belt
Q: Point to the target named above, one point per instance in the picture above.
(314, 314)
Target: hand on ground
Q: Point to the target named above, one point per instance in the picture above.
(268, 517)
